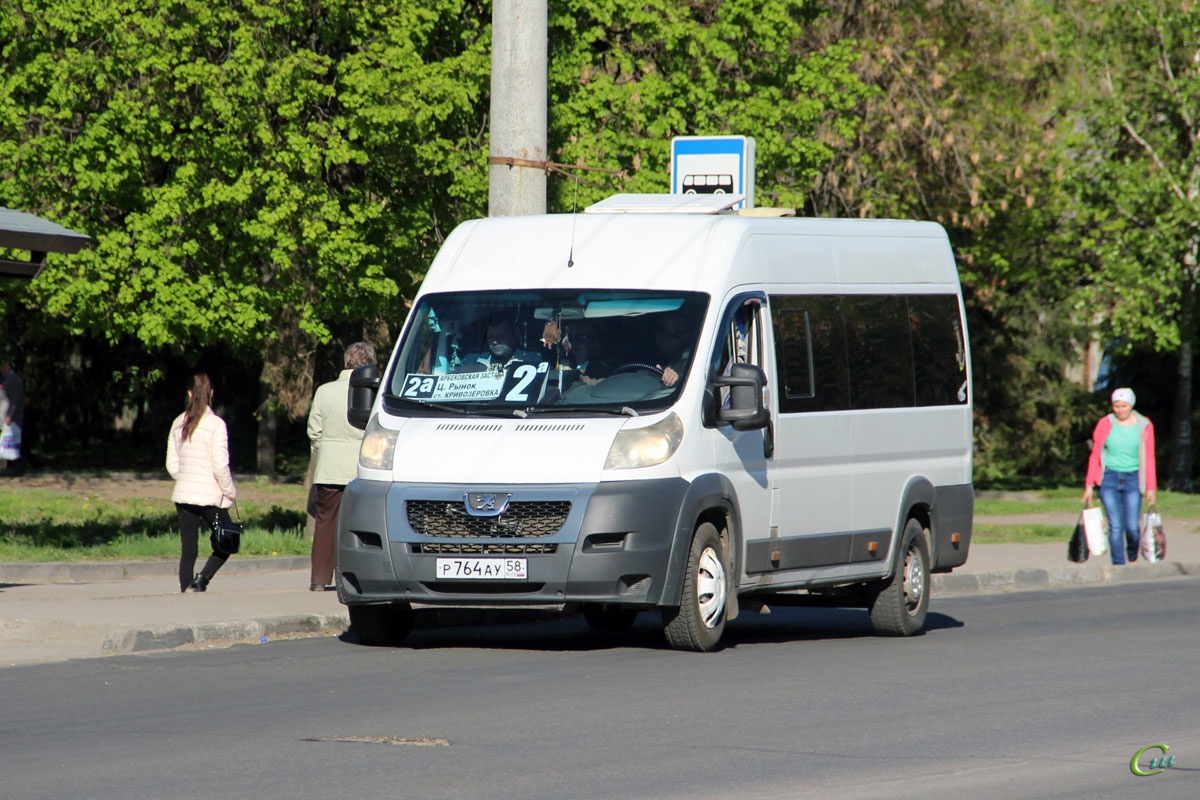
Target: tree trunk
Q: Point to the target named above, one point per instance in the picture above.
(285, 385)
(267, 427)
(1181, 427)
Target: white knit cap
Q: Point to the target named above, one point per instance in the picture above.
(1124, 394)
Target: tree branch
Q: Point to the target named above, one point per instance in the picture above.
(1149, 148)
(1164, 64)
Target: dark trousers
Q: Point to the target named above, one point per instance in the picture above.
(328, 502)
(192, 521)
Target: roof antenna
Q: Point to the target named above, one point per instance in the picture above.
(574, 217)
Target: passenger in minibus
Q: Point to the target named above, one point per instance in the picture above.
(501, 343)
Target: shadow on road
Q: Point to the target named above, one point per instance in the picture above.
(526, 630)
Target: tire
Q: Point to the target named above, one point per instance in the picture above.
(382, 625)
(900, 603)
(700, 619)
(610, 619)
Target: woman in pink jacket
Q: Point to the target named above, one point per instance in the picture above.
(198, 460)
(1122, 465)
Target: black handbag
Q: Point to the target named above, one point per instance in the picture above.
(226, 534)
(1077, 548)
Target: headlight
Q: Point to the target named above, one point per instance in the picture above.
(645, 447)
(378, 446)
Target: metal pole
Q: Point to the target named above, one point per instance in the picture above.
(518, 113)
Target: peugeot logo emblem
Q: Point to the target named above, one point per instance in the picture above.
(486, 504)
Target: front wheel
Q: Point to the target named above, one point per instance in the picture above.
(381, 625)
(899, 604)
(700, 619)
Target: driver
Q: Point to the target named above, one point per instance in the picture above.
(670, 340)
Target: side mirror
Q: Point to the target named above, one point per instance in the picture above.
(364, 385)
(745, 412)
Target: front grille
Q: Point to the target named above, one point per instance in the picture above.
(485, 549)
(522, 520)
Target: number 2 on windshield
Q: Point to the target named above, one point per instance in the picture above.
(524, 376)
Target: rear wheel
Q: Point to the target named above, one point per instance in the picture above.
(381, 625)
(899, 604)
(700, 619)
(611, 619)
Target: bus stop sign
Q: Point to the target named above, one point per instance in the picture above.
(713, 165)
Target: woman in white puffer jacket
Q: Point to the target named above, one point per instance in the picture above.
(198, 460)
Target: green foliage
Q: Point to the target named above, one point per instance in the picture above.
(956, 131)
(628, 75)
(1135, 167)
(1029, 420)
(950, 131)
(1132, 165)
(251, 175)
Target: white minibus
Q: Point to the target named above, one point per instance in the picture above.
(663, 405)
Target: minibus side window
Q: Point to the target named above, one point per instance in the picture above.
(939, 354)
(879, 350)
(793, 338)
(810, 353)
(839, 352)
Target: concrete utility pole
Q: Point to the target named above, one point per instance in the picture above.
(517, 171)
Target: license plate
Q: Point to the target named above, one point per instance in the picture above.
(482, 569)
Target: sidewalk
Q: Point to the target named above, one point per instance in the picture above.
(58, 612)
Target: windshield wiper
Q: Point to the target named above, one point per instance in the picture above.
(495, 411)
(428, 404)
(624, 411)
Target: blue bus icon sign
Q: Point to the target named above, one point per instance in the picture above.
(713, 165)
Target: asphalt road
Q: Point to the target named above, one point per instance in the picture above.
(1025, 695)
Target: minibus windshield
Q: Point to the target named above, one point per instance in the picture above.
(530, 350)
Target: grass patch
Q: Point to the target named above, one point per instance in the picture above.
(1045, 501)
(1180, 511)
(1018, 534)
(54, 525)
(1067, 500)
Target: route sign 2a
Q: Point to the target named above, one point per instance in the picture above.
(713, 165)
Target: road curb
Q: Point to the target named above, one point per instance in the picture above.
(951, 585)
(142, 640)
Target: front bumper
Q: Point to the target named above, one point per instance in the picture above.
(613, 545)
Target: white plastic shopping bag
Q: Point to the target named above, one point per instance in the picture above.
(1153, 541)
(1096, 530)
(10, 442)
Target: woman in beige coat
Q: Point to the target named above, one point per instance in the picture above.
(335, 445)
(198, 460)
